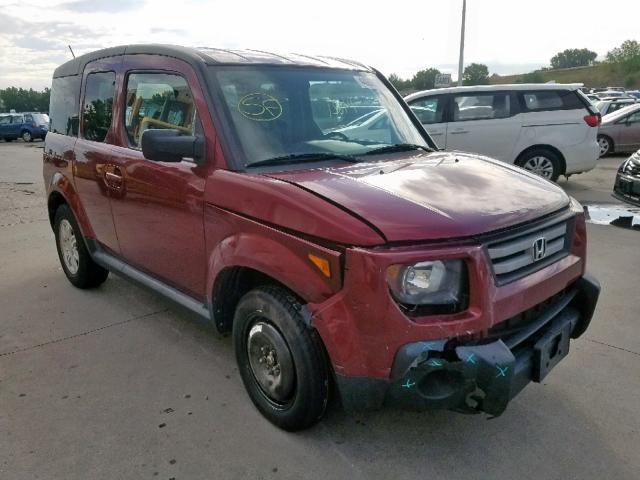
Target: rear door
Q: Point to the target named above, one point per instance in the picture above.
(93, 148)
(5, 126)
(484, 123)
(430, 111)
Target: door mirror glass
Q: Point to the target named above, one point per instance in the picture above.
(171, 146)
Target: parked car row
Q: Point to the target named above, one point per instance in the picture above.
(26, 125)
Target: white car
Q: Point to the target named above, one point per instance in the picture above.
(548, 129)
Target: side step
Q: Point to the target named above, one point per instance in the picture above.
(119, 267)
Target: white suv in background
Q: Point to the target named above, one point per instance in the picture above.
(548, 129)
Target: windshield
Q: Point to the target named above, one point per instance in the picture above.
(279, 112)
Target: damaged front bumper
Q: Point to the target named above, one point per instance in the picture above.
(480, 376)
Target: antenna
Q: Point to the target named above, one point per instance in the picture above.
(71, 50)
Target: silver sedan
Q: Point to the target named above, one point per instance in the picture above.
(620, 131)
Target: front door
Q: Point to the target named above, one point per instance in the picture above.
(430, 111)
(158, 207)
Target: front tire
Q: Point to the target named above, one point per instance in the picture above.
(281, 360)
(75, 259)
(542, 162)
(26, 136)
(605, 144)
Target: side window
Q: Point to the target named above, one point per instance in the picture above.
(98, 105)
(158, 100)
(17, 119)
(481, 106)
(5, 120)
(63, 107)
(634, 118)
(551, 100)
(428, 109)
(28, 119)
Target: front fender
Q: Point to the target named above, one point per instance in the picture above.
(236, 241)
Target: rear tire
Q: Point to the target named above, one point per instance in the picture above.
(542, 162)
(281, 360)
(26, 136)
(606, 145)
(75, 259)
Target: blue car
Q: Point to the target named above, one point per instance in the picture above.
(26, 125)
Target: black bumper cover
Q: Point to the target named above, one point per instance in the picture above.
(481, 376)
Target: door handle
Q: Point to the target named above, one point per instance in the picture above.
(113, 177)
(456, 132)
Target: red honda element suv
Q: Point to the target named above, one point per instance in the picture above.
(360, 261)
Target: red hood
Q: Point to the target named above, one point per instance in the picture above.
(426, 196)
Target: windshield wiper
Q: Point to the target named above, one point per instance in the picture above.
(302, 158)
(398, 147)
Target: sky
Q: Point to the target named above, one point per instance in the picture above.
(398, 37)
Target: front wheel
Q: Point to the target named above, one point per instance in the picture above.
(605, 145)
(26, 136)
(544, 163)
(75, 259)
(281, 360)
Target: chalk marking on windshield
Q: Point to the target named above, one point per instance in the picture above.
(260, 107)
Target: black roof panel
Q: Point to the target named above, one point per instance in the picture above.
(209, 56)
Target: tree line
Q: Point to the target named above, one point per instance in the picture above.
(22, 100)
(625, 58)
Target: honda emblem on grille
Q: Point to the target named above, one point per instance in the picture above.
(539, 249)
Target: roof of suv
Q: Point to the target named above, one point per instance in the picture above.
(491, 88)
(209, 56)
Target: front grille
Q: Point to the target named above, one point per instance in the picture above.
(517, 254)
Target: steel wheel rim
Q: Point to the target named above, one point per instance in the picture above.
(68, 247)
(26, 136)
(271, 362)
(540, 165)
(604, 145)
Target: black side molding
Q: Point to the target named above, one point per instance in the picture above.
(114, 264)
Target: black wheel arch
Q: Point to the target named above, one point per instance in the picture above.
(230, 285)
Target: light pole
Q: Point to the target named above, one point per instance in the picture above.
(461, 61)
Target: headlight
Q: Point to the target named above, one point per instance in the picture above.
(434, 283)
(576, 206)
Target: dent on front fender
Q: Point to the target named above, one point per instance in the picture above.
(236, 241)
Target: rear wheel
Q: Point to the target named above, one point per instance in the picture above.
(75, 259)
(605, 144)
(281, 359)
(542, 162)
(26, 136)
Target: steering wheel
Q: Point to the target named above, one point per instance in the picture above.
(338, 135)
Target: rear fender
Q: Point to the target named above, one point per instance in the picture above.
(62, 185)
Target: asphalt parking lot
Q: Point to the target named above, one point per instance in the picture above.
(117, 383)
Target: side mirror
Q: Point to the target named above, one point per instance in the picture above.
(171, 146)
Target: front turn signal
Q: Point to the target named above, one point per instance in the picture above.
(322, 264)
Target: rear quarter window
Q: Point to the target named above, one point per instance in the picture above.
(63, 107)
(549, 100)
